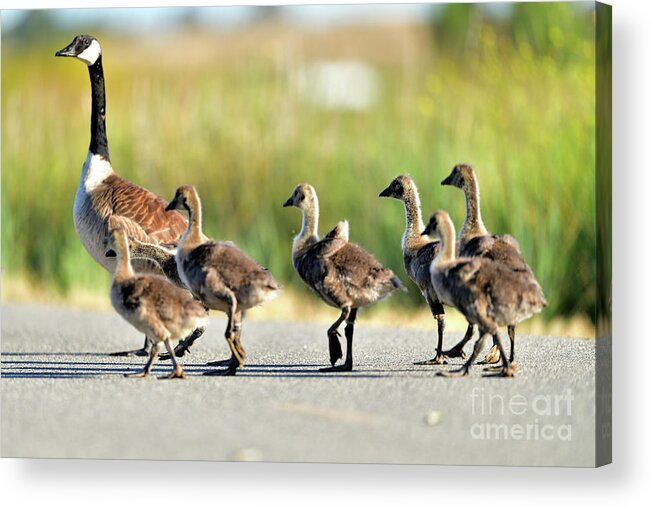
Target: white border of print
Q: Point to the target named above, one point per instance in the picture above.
(54, 482)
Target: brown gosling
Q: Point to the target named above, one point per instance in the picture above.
(104, 200)
(418, 252)
(221, 275)
(487, 292)
(342, 274)
(165, 258)
(476, 241)
(151, 304)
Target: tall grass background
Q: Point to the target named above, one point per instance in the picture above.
(222, 111)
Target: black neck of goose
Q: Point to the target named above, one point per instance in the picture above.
(98, 140)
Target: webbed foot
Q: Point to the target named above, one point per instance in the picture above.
(455, 352)
(502, 371)
(341, 367)
(335, 347)
(493, 356)
(138, 374)
(177, 373)
(438, 359)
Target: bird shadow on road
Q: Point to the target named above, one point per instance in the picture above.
(21, 365)
(61, 369)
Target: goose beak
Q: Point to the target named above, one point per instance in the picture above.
(447, 181)
(69, 50)
(385, 193)
(288, 202)
(110, 253)
(171, 205)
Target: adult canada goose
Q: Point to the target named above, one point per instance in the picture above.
(152, 305)
(221, 275)
(103, 196)
(476, 241)
(418, 252)
(343, 274)
(487, 292)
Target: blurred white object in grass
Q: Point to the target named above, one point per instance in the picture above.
(341, 84)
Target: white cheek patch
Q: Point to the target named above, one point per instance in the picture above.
(90, 55)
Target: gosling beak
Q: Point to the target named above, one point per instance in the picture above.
(110, 253)
(69, 50)
(447, 181)
(288, 202)
(427, 231)
(385, 193)
(171, 205)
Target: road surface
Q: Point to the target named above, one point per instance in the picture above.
(63, 396)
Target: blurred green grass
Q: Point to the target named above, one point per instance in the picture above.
(235, 127)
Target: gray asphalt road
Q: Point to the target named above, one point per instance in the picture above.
(62, 396)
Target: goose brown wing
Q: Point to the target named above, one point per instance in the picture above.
(146, 210)
(133, 229)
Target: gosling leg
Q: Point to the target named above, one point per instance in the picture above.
(457, 350)
(466, 367)
(511, 330)
(439, 314)
(238, 333)
(333, 336)
(493, 355)
(177, 371)
(507, 370)
(232, 328)
(349, 330)
(153, 354)
(185, 344)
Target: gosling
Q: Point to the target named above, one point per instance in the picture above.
(342, 274)
(418, 252)
(476, 241)
(488, 293)
(151, 304)
(165, 258)
(219, 274)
